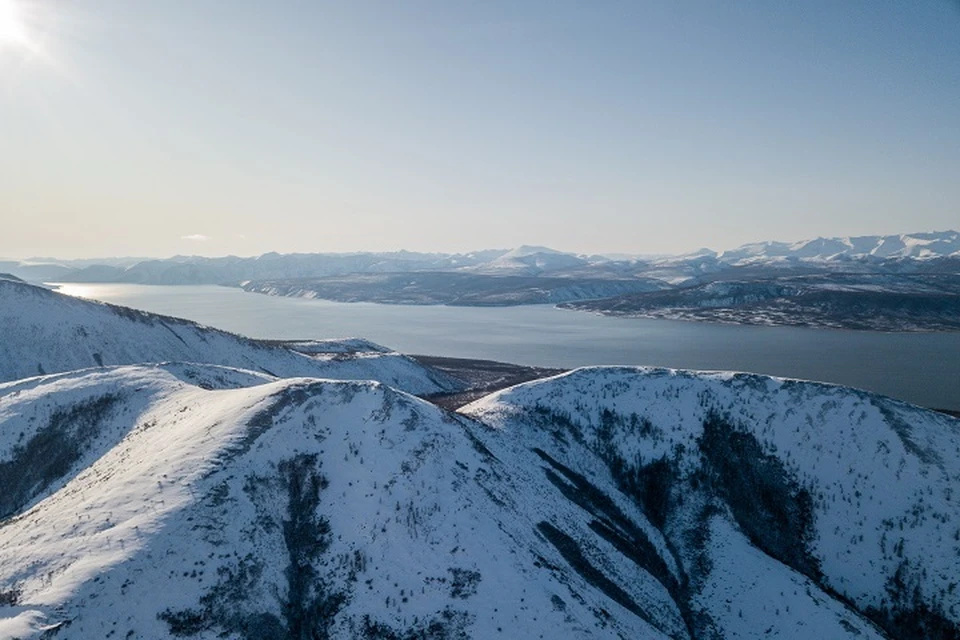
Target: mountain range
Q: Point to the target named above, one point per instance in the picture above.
(908, 282)
(204, 485)
(522, 261)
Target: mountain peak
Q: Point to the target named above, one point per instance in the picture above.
(909, 245)
(530, 249)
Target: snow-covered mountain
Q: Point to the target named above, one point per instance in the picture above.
(46, 332)
(161, 479)
(456, 288)
(232, 269)
(771, 507)
(913, 245)
(148, 507)
(199, 501)
(526, 260)
(874, 302)
(531, 261)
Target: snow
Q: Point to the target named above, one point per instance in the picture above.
(176, 490)
(751, 595)
(47, 332)
(167, 490)
(882, 474)
(339, 345)
(914, 245)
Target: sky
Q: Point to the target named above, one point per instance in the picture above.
(214, 127)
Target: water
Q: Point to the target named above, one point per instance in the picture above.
(920, 368)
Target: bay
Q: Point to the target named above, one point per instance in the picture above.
(922, 368)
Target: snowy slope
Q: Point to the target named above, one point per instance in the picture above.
(788, 504)
(912, 245)
(255, 497)
(47, 332)
(531, 260)
(198, 501)
(341, 509)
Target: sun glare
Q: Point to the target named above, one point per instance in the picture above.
(13, 29)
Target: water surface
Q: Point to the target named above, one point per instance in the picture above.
(923, 368)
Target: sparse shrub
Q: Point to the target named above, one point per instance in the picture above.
(773, 510)
(49, 455)
(10, 597)
(448, 624)
(463, 582)
(310, 605)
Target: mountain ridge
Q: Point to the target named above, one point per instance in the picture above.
(47, 332)
(246, 493)
(523, 260)
(605, 502)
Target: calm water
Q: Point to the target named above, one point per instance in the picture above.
(920, 368)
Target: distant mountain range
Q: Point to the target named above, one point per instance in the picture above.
(905, 282)
(522, 261)
(877, 301)
(914, 245)
(458, 288)
(291, 490)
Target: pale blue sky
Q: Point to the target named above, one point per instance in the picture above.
(603, 126)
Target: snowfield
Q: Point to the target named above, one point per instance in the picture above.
(196, 484)
(853, 493)
(347, 507)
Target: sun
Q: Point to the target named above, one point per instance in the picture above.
(13, 27)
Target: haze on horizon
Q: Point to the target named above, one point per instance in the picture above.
(155, 129)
